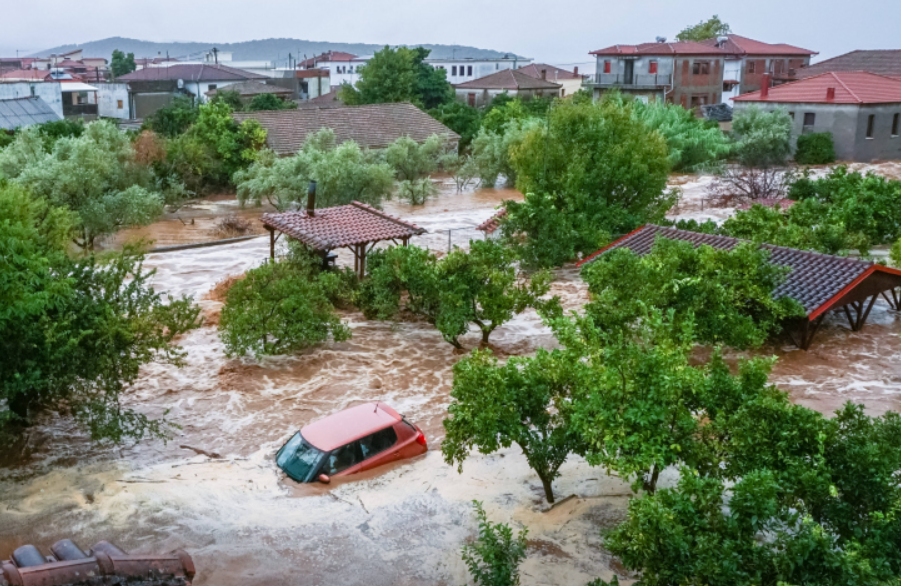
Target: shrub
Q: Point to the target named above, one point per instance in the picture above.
(815, 149)
(494, 558)
(764, 137)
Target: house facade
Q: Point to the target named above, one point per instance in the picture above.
(686, 73)
(513, 82)
(468, 69)
(570, 81)
(861, 110)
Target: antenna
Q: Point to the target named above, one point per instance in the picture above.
(376, 407)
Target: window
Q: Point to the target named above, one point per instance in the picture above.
(454, 70)
(350, 69)
(792, 114)
(378, 442)
(471, 99)
(752, 67)
(119, 104)
(211, 87)
(607, 67)
(810, 119)
(896, 122)
(343, 458)
(701, 68)
(469, 70)
(652, 67)
(871, 122)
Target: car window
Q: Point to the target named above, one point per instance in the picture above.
(343, 458)
(298, 458)
(378, 442)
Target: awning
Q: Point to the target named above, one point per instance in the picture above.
(76, 86)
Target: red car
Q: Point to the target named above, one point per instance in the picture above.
(350, 441)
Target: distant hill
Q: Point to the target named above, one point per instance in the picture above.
(262, 50)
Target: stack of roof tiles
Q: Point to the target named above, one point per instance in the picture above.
(493, 223)
(340, 226)
(371, 126)
(814, 280)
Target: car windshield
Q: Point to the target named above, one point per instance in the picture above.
(299, 459)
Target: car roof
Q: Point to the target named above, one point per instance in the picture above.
(346, 426)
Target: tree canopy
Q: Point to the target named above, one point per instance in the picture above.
(706, 29)
(399, 75)
(122, 63)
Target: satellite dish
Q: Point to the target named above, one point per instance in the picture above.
(181, 84)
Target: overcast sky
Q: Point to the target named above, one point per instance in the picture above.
(558, 32)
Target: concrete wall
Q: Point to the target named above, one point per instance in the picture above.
(848, 125)
(50, 92)
(112, 101)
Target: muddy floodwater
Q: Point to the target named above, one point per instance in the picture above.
(214, 490)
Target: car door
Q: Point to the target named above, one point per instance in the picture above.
(342, 460)
(379, 448)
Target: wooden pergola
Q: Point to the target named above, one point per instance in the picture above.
(821, 283)
(356, 226)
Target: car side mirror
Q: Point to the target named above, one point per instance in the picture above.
(324, 479)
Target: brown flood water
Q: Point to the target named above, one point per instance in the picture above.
(214, 489)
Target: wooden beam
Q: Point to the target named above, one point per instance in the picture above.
(866, 313)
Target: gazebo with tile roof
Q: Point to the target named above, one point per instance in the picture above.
(356, 226)
(819, 282)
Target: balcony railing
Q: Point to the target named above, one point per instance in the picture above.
(637, 80)
(79, 109)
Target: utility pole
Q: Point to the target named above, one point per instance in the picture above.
(216, 55)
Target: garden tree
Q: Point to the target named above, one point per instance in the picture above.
(503, 110)
(413, 163)
(726, 293)
(764, 137)
(431, 87)
(479, 287)
(461, 118)
(496, 405)
(816, 148)
(235, 146)
(94, 175)
(232, 98)
(462, 168)
(269, 102)
(57, 129)
(706, 29)
(491, 151)
(344, 173)
(121, 63)
(282, 307)
(598, 162)
(493, 559)
(175, 118)
(399, 75)
(74, 333)
(26, 149)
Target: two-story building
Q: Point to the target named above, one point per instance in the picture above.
(749, 60)
(684, 72)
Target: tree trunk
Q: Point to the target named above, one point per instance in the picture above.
(650, 485)
(20, 405)
(485, 335)
(548, 489)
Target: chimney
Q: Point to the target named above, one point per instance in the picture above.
(765, 85)
(576, 70)
(830, 94)
(311, 200)
(544, 74)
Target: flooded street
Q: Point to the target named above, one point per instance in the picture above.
(214, 488)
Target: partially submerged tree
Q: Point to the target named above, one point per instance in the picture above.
(462, 118)
(413, 163)
(494, 558)
(494, 406)
(764, 137)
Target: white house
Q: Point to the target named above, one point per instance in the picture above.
(461, 70)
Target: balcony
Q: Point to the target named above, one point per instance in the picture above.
(79, 110)
(636, 81)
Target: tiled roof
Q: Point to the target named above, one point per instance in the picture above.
(32, 74)
(327, 57)
(675, 48)
(307, 73)
(251, 88)
(20, 112)
(815, 280)
(738, 45)
(370, 126)
(492, 223)
(330, 228)
(508, 79)
(850, 87)
(190, 72)
(884, 62)
(553, 73)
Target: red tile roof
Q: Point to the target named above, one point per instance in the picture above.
(492, 223)
(250, 88)
(33, 74)
(553, 73)
(742, 46)
(370, 126)
(884, 62)
(305, 73)
(850, 87)
(327, 57)
(508, 79)
(817, 281)
(340, 226)
(190, 72)
(675, 48)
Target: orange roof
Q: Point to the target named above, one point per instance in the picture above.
(850, 87)
(553, 73)
(744, 46)
(676, 48)
(351, 424)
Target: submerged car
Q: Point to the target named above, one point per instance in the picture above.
(350, 441)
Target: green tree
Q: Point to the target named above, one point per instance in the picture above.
(344, 173)
(233, 99)
(75, 333)
(461, 118)
(389, 76)
(279, 308)
(269, 102)
(816, 148)
(494, 558)
(764, 137)
(431, 87)
(494, 406)
(121, 63)
(412, 160)
(728, 294)
(175, 118)
(706, 29)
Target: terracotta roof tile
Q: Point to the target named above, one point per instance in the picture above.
(883, 62)
(742, 46)
(814, 280)
(370, 126)
(675, 48)
(250, 88)
(508, 79)
(851, 87)
(340, 226)
(492, 223)
(553, 73)
(190, 72)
